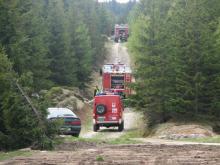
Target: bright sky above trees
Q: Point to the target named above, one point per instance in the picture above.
(121, 1)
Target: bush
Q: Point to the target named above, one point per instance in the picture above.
(22, 128)
(53, 92)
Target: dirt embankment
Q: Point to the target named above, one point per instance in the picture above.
(174, 131)
(73, 99)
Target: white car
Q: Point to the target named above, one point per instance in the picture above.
(72, 124)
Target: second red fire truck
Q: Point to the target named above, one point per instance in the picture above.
(116, 77)
(121, 32)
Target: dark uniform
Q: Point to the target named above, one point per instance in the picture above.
(96, 91)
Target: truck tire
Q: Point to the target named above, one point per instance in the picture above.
(95, 127)
(121, 127)
(101, 109)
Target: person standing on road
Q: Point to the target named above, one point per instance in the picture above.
(96, 91)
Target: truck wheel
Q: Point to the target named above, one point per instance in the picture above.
(121, 127)
(95, 127)
(101, 109)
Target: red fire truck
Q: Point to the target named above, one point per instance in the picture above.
(116, 77)
(108, 111)
(121, 32)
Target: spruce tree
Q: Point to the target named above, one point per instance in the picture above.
(194, 40)
(177, 59)
(148, 44)
(5, 77)
(61, 61)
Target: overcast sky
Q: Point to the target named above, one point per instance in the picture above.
(121, 1)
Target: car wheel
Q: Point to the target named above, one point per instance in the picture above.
(75, 134)
(100, 109)
(95, 127)
(121, 127)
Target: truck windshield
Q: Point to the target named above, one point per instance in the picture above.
(117, 81)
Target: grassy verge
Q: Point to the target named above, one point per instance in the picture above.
(102, 138)
(127, 138)
(214, 139)
(123, 140)
(114, 141)
(7, 155)
(80, 139)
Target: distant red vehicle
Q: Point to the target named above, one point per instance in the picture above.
(121, 32)
(108, 111)
(116, 77)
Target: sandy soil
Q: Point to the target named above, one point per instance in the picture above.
(118, 54)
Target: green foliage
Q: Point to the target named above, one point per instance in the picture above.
(5, 76)
(214, 139)
(52, 40)
(119, 10)
(99, 158)
(176, 58)
(19, 127)
(53, 92)
(19, 122)
(48, 43)
(9, 155)
(22, 128)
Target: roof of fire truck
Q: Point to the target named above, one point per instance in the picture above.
(121, 26)
(116, 68)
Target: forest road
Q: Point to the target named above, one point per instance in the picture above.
(149, 152)
(117, 53)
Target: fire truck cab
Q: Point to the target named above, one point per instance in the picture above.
(116, 77)
(121, 32)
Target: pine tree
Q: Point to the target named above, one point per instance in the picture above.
(7, 30)
(153, 74)
(5, 77)
(25, 41)
(80, 47)
(61, 61)
(177, 59)
(193, 39)
(84, 55)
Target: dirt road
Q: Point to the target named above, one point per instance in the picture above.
(117, 53)
(132, 121)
